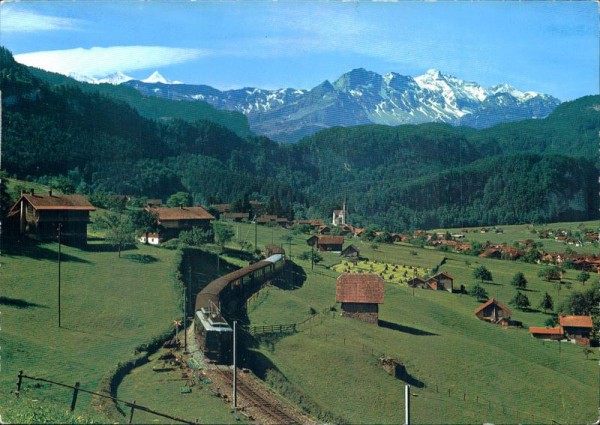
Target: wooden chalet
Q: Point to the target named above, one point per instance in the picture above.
(360, 296)
(418, 282)
(174, 220)
(350, 252)
(330, 243)
(553, 334)
(493, 311)
(312, 241)
(577, 328)
(324, 230)
(234, 216)
(273, 249)
(222, 208)
(39, 216)
(154, 203)
(441, 282)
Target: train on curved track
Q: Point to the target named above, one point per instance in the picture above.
(224, 296)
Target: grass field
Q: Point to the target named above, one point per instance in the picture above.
(493, 374)
(163, 391)
(523, 232)
(109, 306)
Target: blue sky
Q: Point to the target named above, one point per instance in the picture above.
(550, 47)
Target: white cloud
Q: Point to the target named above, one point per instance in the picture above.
(22, 21)
(101, 61)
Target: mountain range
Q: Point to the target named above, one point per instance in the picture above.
(362, 97)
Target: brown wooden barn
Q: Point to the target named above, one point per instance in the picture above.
(577, 328)
(441, 282)
(174, 220)
(273, 249)
(493, 311)
(554, 334)
(360, 295)
(39, 215)
(351, 252)
(330, 243)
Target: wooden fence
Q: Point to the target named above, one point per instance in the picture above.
(77, 389)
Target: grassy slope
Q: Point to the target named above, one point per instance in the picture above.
(109, 306)
(504, 366)
(523, 232)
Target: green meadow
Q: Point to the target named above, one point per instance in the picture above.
(462, 370)
(108, 307)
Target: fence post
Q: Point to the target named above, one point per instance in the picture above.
(20, 381)
(131, 413)
(448, 392)
(75, 391)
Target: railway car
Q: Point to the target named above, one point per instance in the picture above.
(223, 297)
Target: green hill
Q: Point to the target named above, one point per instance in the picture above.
(154, 107)
(393, 178)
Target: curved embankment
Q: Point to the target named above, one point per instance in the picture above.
(111, 381)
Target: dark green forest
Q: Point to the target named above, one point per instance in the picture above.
(112, 140)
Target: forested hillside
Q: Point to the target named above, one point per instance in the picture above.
(154, 107)
(397, 178)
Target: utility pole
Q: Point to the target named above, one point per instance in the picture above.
(407, 404)
(59, 249)
(185, 288)
(235, 364)
(255, 236)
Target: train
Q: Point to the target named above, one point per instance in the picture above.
(222, 298)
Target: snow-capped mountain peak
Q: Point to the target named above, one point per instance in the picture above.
(156, 77)
(115, 78)
(364, 97)
(82, 78)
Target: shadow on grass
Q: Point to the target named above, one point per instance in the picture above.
(140, 258)
(15, 302)
(240, 254)
(403, 375)
(106, 247)
(291, 277)
(32, 249)
(405, 329)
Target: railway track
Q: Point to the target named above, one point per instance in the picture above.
(259, 398)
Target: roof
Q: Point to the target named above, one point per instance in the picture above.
(545, 331)
(575, 321)
(58, 202)
(490, 302)
(331, 240)
(182, 213)
(359, 288)
(222, 208)
(236, 215)
(448, 275)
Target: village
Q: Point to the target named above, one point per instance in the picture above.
(359, 287)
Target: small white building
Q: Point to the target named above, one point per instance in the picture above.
(153, 238)
(339, 216)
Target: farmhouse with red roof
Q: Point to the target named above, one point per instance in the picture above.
(360, 295)
(546, 333)
(174, 220)
(577, 328)
(39, 215)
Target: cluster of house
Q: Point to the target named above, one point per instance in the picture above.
(573, 328)
(442, 281)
